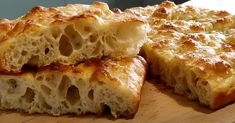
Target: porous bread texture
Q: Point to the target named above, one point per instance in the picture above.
(90, 87)
(192, 50)
(69, 35)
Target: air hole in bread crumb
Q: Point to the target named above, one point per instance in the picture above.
(93, 38)
(46, 90)
(49, 78)
(204, 83)
(73, 95)
(12, 85)
(55, 32)
(65, 46)
(70, 31)
(91, 94)
(65, 83)
(46, 105)
(46, 51)
(100, 82)
(106, 109)
(33, 61)
(65, 104)
(87, 28)
(120, 99)
(20, 61)
(13, 67)
(74, 36)
(12, 46)
(29, 95)
(196, 81)
(34, 44)
(39, 78)
(16, 54)
(23, 53)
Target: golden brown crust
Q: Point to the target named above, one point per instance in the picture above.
(41, 16)
(196, 40)
(144, 12)
(192, 40)
(60, 68)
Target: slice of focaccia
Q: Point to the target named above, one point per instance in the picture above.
(68, 35)
(89, 87)
(193, 51)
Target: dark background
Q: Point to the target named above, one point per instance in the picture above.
(14, 8)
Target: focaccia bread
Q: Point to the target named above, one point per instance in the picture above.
(69, 35)
(144, 12)
(193, 51)
(89, 87)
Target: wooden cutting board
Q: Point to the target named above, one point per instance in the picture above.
(158, 103)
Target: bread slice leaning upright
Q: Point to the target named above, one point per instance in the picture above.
(192, 50)
(69, 35)
(89, 87)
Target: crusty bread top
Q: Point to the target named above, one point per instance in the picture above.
(142, 11)
(198, 47)
(168, 10)
(185, 16)
(202, 47)
(203, 39)
(43, 17)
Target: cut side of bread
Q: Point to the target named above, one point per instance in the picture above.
(192, 50)
(90, 87)
(69, 35)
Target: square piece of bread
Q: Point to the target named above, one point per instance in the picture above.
(90, 87)
(69, 35)
(193, 51)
